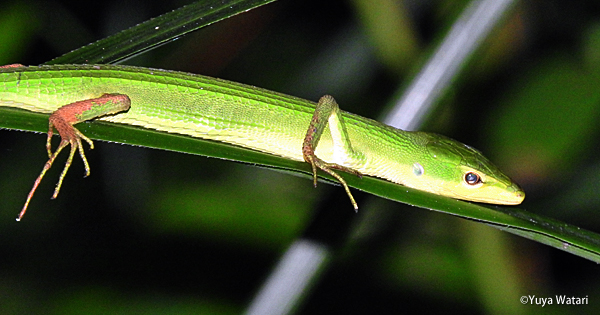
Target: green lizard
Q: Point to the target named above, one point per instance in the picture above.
(250, 117)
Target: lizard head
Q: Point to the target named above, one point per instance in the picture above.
(456, 170)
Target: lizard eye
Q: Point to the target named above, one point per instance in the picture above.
(472, 178)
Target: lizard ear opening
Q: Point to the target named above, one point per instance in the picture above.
(418, 169)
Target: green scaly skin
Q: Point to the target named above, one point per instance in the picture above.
(242, 115)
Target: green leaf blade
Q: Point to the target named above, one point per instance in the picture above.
(157, 31)
(545, 230)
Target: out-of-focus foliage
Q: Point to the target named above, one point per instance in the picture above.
(124, 240)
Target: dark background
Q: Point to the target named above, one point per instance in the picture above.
(155, 232)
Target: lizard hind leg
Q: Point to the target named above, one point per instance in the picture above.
(63, 120)
(69, 136)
